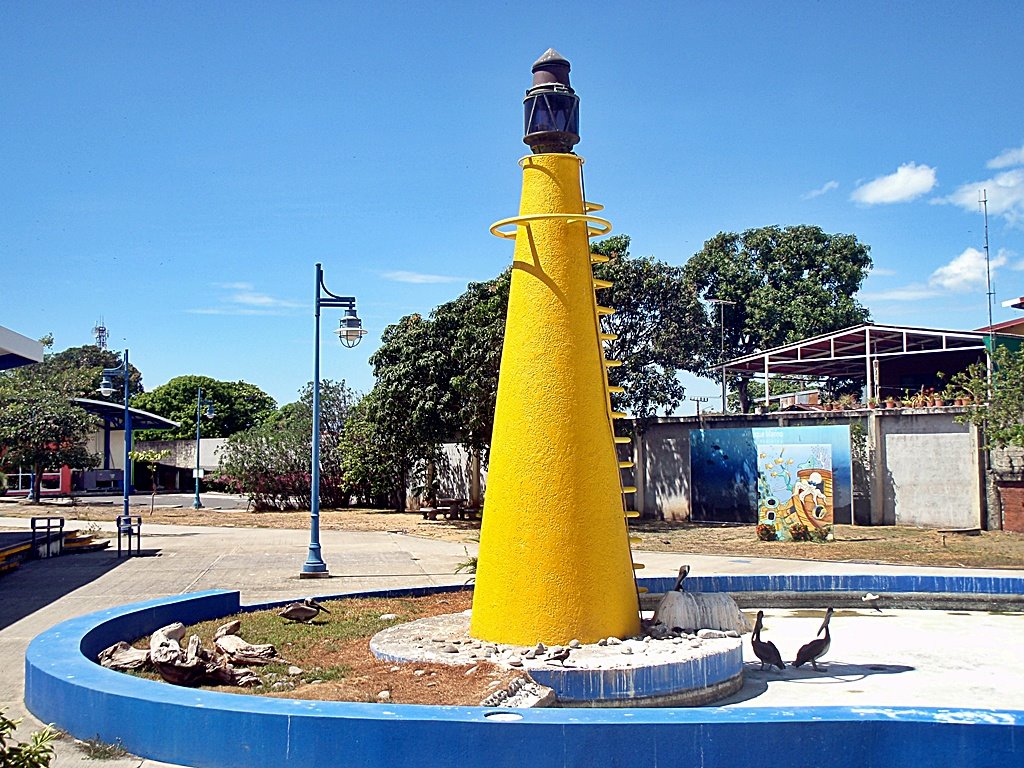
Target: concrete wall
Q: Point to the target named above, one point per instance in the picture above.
(183, 452)
(921, 467)
(931, 475)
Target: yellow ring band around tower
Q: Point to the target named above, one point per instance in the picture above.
(603, 225)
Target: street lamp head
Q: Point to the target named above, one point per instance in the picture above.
(106, 387)
(209, 412)
(551, 107)
(350, 329)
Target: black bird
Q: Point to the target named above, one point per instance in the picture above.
(765, 650)
(818, 647)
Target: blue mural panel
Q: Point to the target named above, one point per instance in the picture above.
(783, 476)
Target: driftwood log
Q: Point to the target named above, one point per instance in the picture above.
(194, 665)
(123, 656)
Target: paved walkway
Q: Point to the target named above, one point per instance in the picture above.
(263, 564)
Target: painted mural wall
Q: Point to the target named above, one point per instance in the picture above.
(781, 476)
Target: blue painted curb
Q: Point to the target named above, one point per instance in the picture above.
(966, 585)
(221, 730)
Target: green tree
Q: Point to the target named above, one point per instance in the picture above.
(92, 360)
(471, 330)
(657, 320)
(40, 428)
(271, 461)
(370, 461)
(1002, 415)
(237, 405)
(786, 284)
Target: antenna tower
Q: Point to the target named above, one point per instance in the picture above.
(100, 332)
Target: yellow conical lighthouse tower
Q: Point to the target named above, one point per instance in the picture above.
(554, 560)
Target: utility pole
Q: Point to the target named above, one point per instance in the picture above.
(698, 401)
(983, 201)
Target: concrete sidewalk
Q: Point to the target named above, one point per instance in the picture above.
(263, 564)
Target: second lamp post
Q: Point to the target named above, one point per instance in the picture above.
(350, 332)
(201, 402)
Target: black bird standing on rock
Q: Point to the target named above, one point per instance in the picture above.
(817, 648)
(765, 650)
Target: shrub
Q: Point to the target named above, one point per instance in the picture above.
(800, 532)
(37, 752)
(766, 532)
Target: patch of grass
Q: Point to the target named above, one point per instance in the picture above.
(97, 749)
(348, 619)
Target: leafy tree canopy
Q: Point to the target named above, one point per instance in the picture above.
(39, 426)
(237, 405)
(657, 319)
(271, 461)
(92, 360)
(1002, 415)
(785, 284)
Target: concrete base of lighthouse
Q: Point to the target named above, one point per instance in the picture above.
(677, 670)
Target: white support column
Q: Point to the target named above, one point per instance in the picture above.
(869, 389)
(767, 397)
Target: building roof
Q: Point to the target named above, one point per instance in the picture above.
(1013, 327)
(847, 352)
(16, 350)
(113, 414)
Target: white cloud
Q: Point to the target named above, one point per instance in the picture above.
(883, 272)
(244, 299)
(966, 271)
(909, 182)
(255, 299)
(1005, 192)
(828, 187)
(419, 278)
(904, 294)
(1007, 158)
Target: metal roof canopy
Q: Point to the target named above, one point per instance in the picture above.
(17, 350)
(848, 353)
(113, 414)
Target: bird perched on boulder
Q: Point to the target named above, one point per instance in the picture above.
(683, 571)
(818, 647)
(303, 612)
(765, 650)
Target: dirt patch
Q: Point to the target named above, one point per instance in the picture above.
(867, 544)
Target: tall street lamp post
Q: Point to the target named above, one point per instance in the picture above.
(721, 322)
(200, 413)
(350, 333)
(107, 389)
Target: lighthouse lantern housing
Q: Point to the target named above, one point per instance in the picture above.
(551, 107)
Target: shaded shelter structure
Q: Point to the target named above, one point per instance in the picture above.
(17, 350)
(106, 441)
(890, 359)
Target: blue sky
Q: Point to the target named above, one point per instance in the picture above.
(177, 168)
